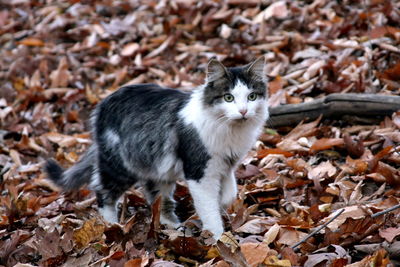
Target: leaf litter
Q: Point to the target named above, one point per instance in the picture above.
(59, 58)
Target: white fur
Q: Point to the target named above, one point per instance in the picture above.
(228, 190)
(206, 198)
(95, 183)
(109, 213)
(224, 134)
(112, 138)
(170, 167)
(171, 224)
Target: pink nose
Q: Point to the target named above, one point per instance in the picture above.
(243, 111)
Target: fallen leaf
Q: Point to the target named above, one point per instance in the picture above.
(325, 143)
(326, 256)
(274, 261)
(271, 234)
(389, 233)
(31, 42)
(89, 232)
(129, 49)
(264, 152)
(256, 253)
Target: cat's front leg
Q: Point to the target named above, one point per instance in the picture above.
(205, 194)
(228, 189)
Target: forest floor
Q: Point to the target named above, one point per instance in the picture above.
(59, 58)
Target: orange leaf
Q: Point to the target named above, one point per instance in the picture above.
(32, 42)
(381, 31)
(275, 85)
(325, 143)
(373, 163)
(264, 152)
(117, 255)
(357, 166)
(133, 263)
(49, 199)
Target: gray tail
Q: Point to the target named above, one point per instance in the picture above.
(74, 177)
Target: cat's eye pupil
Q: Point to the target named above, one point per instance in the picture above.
(252, 97)
(228, 97)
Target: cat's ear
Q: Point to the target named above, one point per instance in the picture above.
(256, 69)
(215, 70)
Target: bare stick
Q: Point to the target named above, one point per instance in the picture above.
(316, 230)
(385, 211)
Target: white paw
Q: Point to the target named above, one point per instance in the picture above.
(217, 231)
(109, 214)
(170, 223)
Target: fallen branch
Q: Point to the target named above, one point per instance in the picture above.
(385, 211)
(294, 247)
(335, 105)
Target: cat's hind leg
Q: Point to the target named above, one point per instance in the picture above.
(168, 204)
(109, 186)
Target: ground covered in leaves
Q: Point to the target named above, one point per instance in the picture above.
(59, 58)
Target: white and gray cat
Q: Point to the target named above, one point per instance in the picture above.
(154, 136)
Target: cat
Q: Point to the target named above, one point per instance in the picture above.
(154, 136)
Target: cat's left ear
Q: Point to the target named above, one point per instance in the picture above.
(256, 69)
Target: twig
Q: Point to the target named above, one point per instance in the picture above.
(316, 231)
(123, 209)
(385, 211)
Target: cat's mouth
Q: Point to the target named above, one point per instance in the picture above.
(240, 120)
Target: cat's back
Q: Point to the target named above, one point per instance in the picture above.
(144, 96)
(141, 101)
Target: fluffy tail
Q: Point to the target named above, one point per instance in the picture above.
(74, 177)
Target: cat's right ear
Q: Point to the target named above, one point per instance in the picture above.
(215, 70)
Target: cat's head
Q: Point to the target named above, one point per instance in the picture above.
(236, 94)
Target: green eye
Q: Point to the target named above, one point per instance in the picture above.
(252, 96)
(228, 98)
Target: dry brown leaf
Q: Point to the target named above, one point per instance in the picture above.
(289, 236)
(326, 256)
(274, 261)
(129, 49)
(325, 143)
(60, 77)
(264, 152)
(276, 9)
(31, 42)
(379, 258)
(389, 233)
(271, 234)
(256, 253)
(323, 170)
(255, 226)
(354, 212)
(89, 232)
